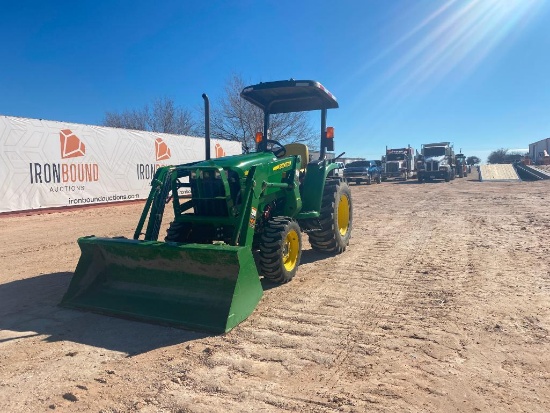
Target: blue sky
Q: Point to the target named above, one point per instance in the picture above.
(476, 73)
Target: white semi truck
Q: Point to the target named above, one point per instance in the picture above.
(399, 163)
(437, 161)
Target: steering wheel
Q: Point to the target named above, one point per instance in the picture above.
(276, 147)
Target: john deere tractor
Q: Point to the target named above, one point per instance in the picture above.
(203, 275)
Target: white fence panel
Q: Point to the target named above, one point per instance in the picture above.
(46, 164)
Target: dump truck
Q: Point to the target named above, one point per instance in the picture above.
(203, 275)
(399, 163)
(436, 161)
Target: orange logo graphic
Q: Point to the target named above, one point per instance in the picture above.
(220, 153)
(162, 150)
(71, 146)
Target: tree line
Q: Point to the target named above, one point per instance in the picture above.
(497, 156)
(504, 155)
(232, 118)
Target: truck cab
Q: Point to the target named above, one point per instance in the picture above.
(399, 163)
(364, 171)
(437, 161)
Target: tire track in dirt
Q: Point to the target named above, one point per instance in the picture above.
(384, 286)
(510, 238)
(394, 324)
(430, 350)
(276, 340)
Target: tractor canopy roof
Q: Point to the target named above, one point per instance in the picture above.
(285, 96)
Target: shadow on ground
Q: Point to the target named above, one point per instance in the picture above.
(308, 257)
(30, 307)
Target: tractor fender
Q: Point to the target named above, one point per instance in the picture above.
(314, 183)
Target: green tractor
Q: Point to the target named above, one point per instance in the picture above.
(204, 276)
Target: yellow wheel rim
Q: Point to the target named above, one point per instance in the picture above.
(343, 215)
(291, 248)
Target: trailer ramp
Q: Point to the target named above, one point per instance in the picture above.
(498, 173)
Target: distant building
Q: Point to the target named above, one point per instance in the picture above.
(539, 150)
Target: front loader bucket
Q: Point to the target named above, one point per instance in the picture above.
(196, 286)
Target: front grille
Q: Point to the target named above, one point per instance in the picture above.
(432, 166)
(208, 195)
(392, 167)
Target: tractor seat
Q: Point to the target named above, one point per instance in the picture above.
(298, 149)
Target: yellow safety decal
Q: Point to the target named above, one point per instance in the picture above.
(282, 165)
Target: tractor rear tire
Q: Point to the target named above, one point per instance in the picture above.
(280, 249)
(336, 219)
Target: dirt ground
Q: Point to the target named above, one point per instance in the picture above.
(440, 304)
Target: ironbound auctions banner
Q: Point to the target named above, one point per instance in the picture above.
(47, 164)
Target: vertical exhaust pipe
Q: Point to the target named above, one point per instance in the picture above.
(206, 125)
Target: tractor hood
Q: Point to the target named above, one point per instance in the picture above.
(243, 162)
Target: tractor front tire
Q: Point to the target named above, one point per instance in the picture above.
(178, 232)
(280, 249)
(336, 219)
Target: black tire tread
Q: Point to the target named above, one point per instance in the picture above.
(328, 239)
(271, 244)
(178, 232)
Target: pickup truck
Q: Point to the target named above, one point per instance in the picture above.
(367, 171)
